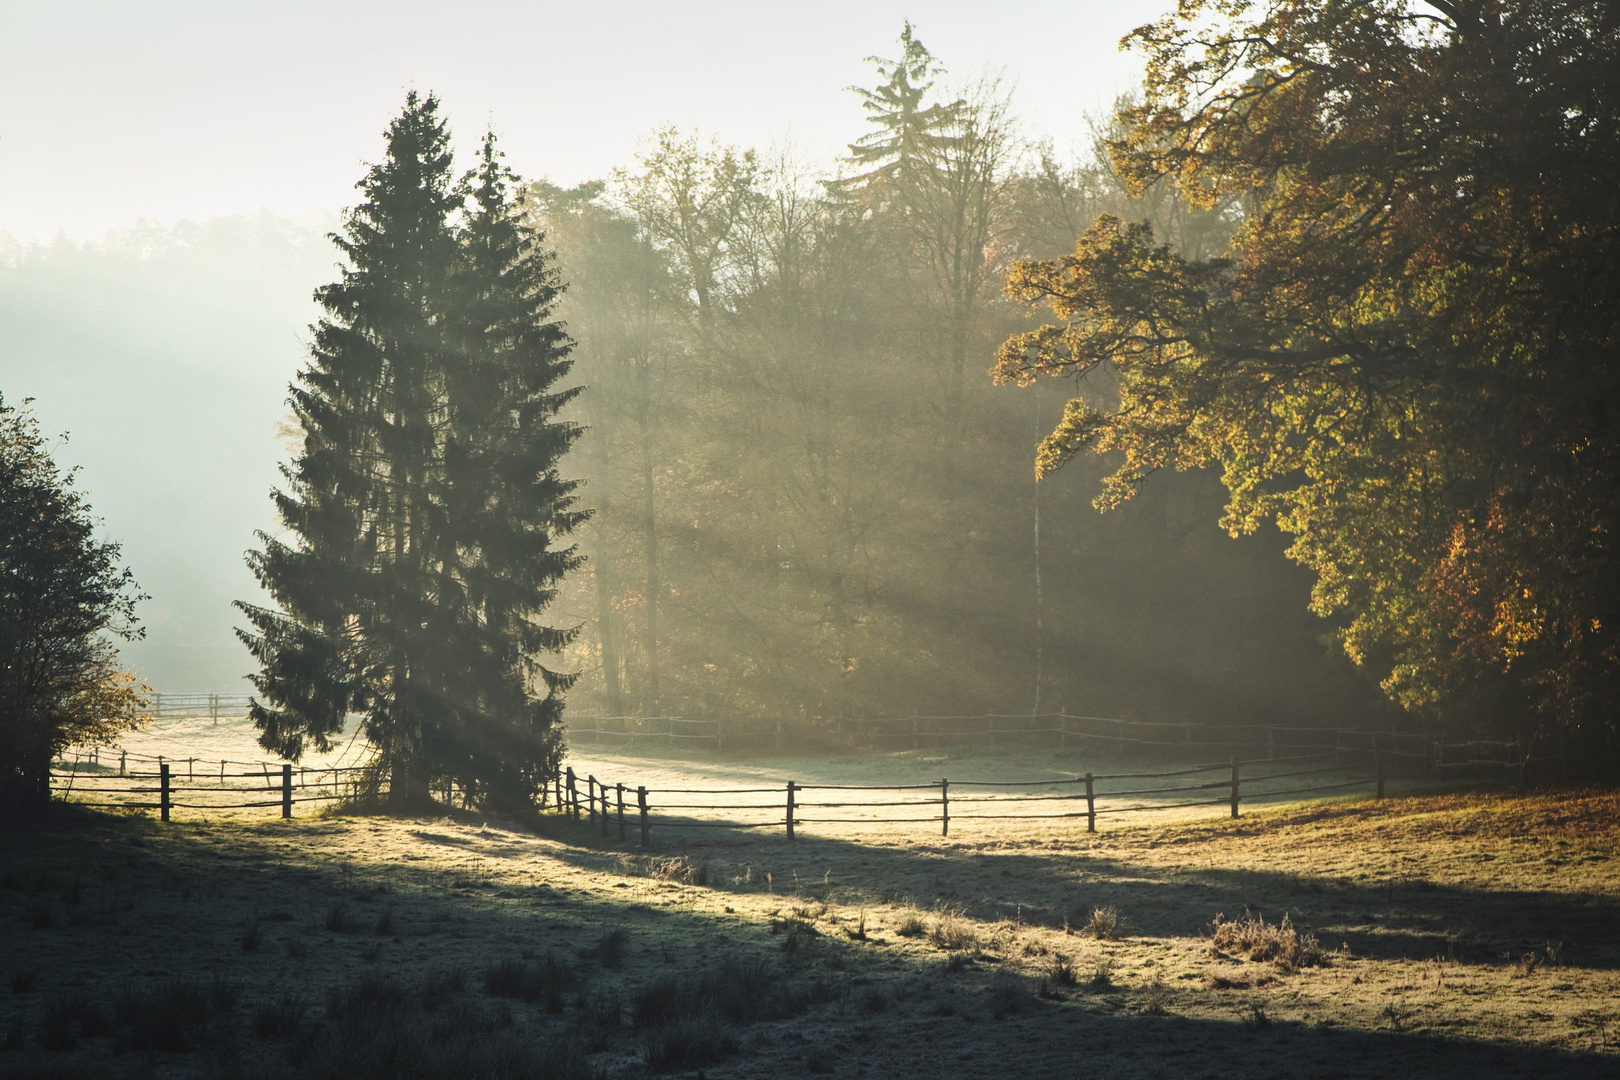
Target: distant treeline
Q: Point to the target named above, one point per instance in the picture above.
(811, 500)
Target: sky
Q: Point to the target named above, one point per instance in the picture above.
(115, 111)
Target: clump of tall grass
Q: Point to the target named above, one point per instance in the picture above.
(911, 924)
(379, 1029)
(953, 933)
(524, 979)
(687, 1022)
(1104, 924)
(1253, 937)
(1009, 993)
(279, 1018)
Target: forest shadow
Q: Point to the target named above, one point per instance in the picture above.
(941, 1019)
(1412, 918)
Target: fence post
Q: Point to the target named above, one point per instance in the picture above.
(1091, 805)
(286, 791)
(590, 801)
(641, 801)
(944, 806)
(607, 824)
(621, 811)
(163, 790)
(557, 779)
(573, 794)
(792, 787)
(123, 759)
(1234, 787)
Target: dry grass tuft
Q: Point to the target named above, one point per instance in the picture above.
(530, 980)
(1104, 924)
(1253, 937)
(911, 925)
(1233, 978)
(954, 933)
(678, 869)
(1155, 996)
(1009, 993)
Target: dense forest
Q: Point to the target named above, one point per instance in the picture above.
(811, 500)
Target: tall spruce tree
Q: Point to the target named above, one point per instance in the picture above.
(905, 133)
(424, 502)
(508, 501)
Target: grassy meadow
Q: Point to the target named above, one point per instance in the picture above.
(1438, 934)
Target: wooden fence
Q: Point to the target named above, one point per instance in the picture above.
(1323, 760)
(150, 782)
(613, 807)
(213, 706)
(144, 783)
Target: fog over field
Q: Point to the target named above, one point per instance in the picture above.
(168, 173)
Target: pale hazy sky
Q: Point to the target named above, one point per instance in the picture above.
(117, 110)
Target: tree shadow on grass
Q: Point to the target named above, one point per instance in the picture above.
(1412, 918)
(933, 1023)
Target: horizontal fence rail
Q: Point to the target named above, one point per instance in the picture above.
(612, 807)
(1281, 762)
(124, 781)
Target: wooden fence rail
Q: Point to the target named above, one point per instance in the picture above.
(792, 805)
(1340, 760)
